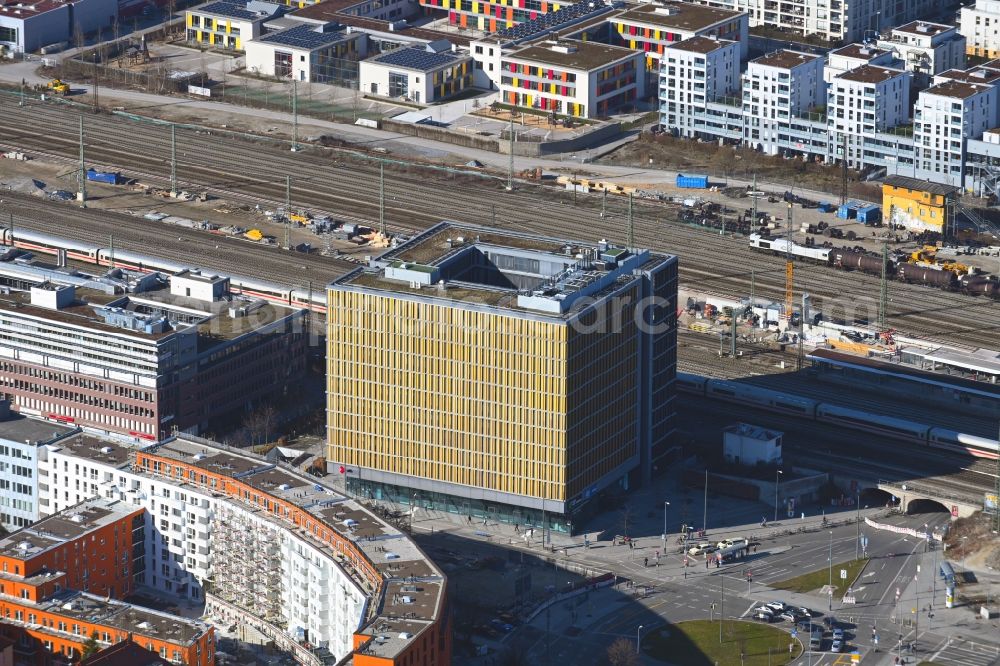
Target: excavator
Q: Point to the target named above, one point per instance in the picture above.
(58, 87)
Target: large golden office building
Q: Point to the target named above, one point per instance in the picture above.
(492, 373)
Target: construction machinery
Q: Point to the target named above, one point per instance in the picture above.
(926, 257)
(58, 87)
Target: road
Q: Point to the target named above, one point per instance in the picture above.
(345, 183)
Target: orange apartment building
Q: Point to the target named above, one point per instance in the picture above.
(58, 582)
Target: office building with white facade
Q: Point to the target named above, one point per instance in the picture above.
(834, 20)
(777, 88)
(979, 23)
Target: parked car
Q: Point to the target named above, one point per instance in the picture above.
(779, 606)
(702, 549)
(836, 646)
(761, 616)
(838, 634)
(788, 615)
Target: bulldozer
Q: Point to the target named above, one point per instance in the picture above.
(58, 87)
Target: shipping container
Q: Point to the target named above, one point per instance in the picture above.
(693, 182)
(109, 177)
(847, 211)
(870, 214)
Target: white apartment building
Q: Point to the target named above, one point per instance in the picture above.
(694, 72)
(853, 56)
(926, 48)
(944, 118)
(777, 88)
(862, 103)
(979, 23)
(20, 441)
(843, 20)
(178, 544)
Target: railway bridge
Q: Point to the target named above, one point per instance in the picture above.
(959, 504)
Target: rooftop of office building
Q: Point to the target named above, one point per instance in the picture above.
(923, 28)
(677, 15)
(154, 311)
(499, 269)
(62, 527)
(973, 75)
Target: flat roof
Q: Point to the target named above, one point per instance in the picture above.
(410, 598)
(305, 37)
(128, 617)
(102, 451)
(335, 10)
(957, 89)
(63, 527)
(454, 263)
(923, 28)
(785, 59)
(125, 653)
(22, 429)
(678, 15)
(27, 9)
(919, 185)
(237, 10)
(859, 51)
(417, 58)
(584, 56)
(700, 44)
(984, 75)
(871, 74)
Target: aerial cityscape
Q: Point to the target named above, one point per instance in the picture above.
(499, 332)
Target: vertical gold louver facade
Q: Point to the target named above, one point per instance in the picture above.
(441, 392)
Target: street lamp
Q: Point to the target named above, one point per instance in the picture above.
(777, 475)
(665, 505)
(830, 607)
(637, 638)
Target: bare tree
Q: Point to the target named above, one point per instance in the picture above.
(622, 653)
(626, 517)
(254, 424)
(268, 420)
(78, 38)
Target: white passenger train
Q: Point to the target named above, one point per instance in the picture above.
(901, 429)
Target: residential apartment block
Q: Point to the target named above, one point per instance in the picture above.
(260, 544)
(20, 441)
(862, 102)
(139, 365)
(480, 371)
(944, 117)
(700, 70)
(777, 88)
(228, 24)
(926, 48)
(651, 28)
(979, 23)
(834, 20)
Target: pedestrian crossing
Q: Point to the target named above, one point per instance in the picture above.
(960, 652)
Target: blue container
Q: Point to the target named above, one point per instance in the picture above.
(825, 207)
(847, 211)
(693, 182)
(109, 177)
(869, 214)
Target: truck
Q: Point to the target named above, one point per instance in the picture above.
(735, 549)
(58, 87)
(699, 182)
(109, 177)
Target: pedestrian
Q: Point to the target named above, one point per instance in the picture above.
(469, 518)
(645, 561)
(706, 563)
(755, 550)
(517, 528)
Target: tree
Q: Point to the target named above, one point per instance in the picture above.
(622, 653)
(90, 645)
(254, 425)
(268, 421)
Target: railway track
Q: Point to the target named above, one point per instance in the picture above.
(345, 184)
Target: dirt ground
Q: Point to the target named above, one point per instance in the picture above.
(45, 178)
(667, 152)
(973, 541)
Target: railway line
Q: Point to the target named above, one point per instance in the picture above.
(344, 183)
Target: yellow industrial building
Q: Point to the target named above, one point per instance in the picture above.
(498, 374)
(917, 205)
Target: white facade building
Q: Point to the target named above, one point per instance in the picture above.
(745, 444)
(835, 20)
(694, 72)
(853, 56)
(863, 102)
(979, 23)
(20, 441)
(778, 87)
(416, 74)
(944, 118)
(926, 48)
(307, 52)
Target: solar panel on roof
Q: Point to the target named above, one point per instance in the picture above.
(414, 58)
(303, 37)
